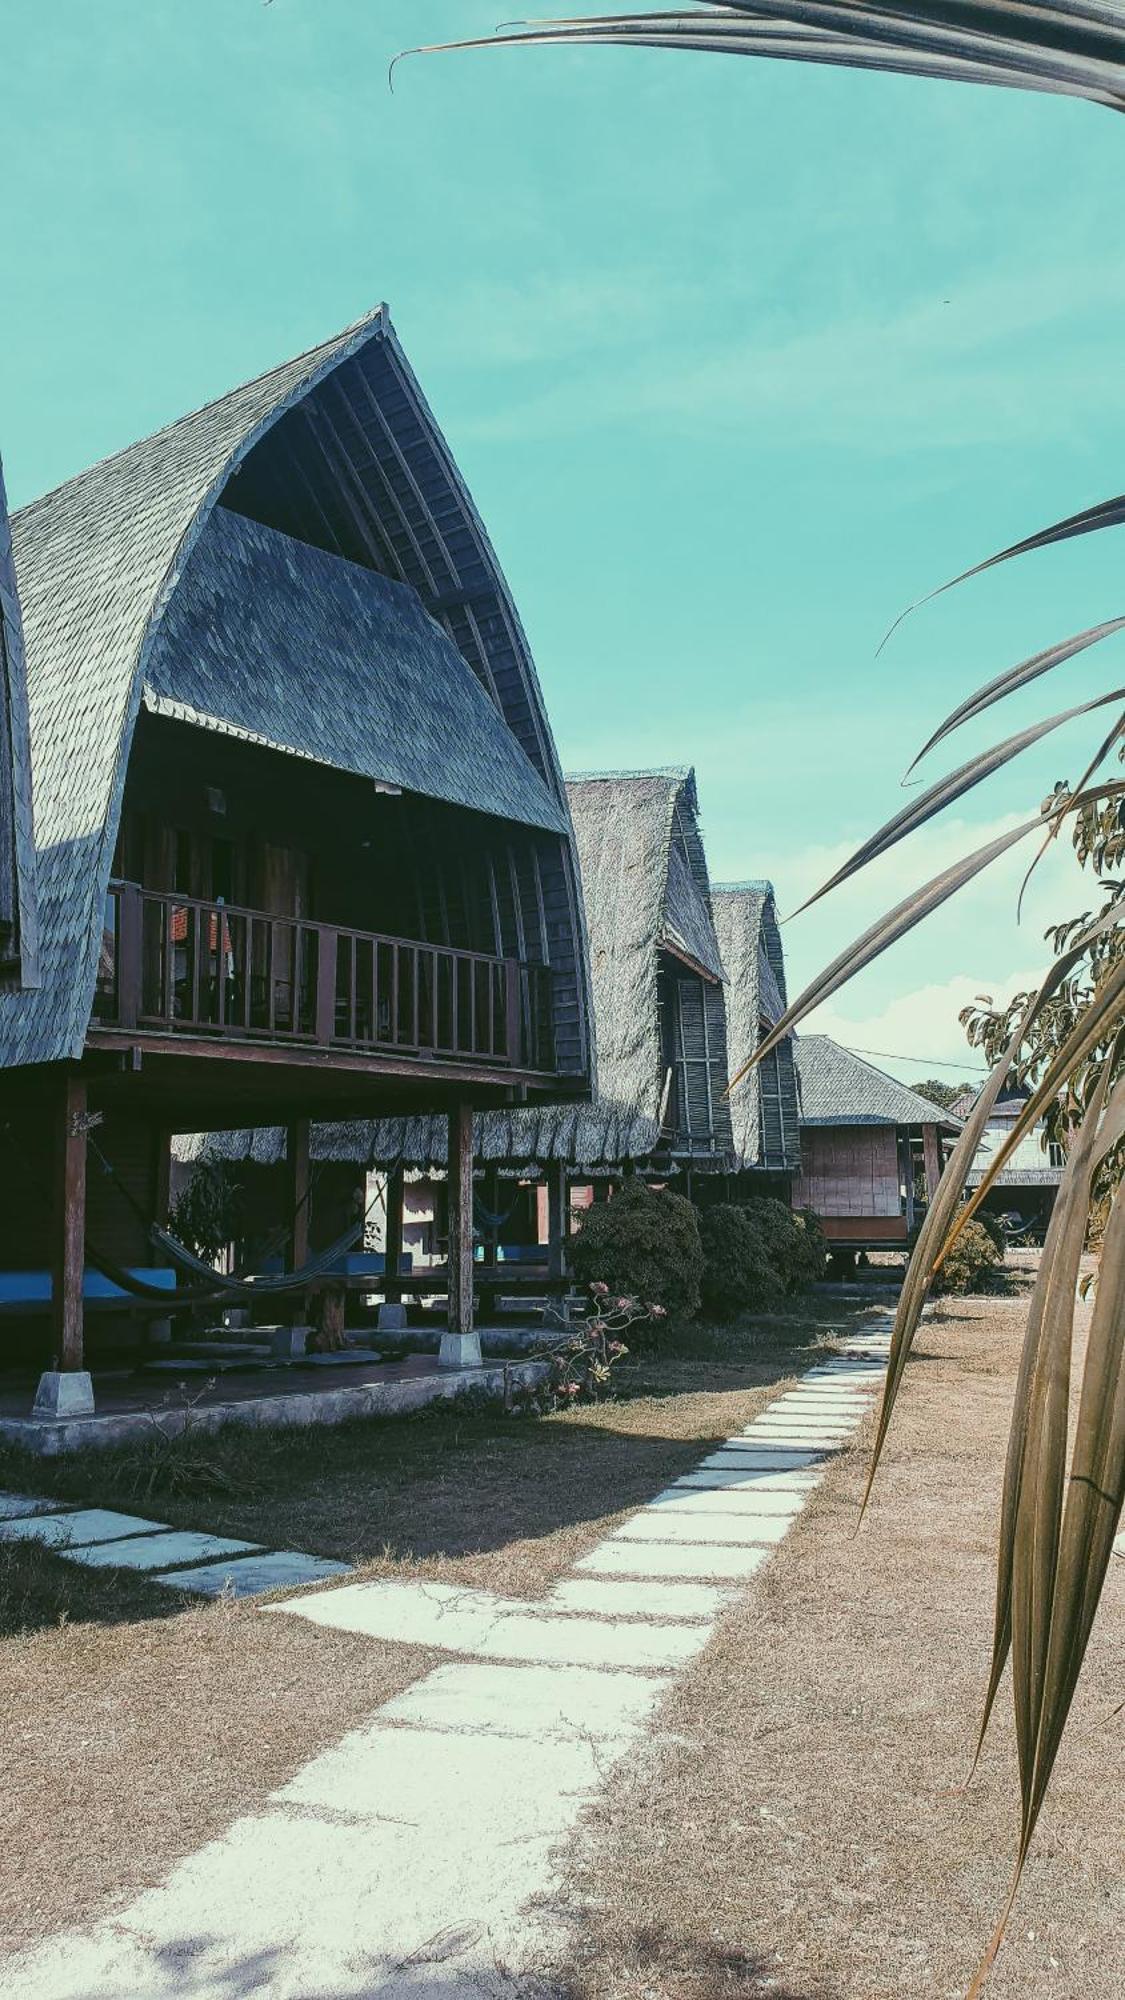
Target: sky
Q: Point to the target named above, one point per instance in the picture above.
(738, 359)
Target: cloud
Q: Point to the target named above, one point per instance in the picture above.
(977, 369)
(918, 1032)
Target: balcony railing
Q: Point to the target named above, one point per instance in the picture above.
(172, 964)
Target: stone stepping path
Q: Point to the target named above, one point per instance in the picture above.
(204, 1565)
(419, 1855)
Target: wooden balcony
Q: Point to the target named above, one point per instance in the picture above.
(173, 965)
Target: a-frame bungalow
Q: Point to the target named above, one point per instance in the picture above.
(866, 1141)
(659, 1108)
(765, 1129)
(302, 843)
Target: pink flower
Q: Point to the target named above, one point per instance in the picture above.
(658, 1312)
(599, 1290)
(618, 1347)
(622, 1305)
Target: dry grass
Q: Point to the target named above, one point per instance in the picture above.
(471, 1495)
(128, 1745)
(794, 1830)
(138, 1729)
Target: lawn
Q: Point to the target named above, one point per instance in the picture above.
(140, 1724)
(796, 1827)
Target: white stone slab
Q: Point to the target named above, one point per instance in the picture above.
(247, 1576)
(744, 1457)
(82, 1525)
(740, 1530)
(726, 1500)
(731, 1478)
(610, 1597)
(434, 1614)
(533, 1703)
(614, 1558)
(422, 1882)
(13, 1506)
(159, 1551)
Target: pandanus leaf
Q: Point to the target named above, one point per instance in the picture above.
(1061, 1527)
(945, 1216)
(1076, 50)
(1017, 677)
(881, 935)
(949, 789)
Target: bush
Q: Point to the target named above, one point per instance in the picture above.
(757, 1252)
(741, 1273)
(644, 1244)
(795, 1241)
(972, 1265)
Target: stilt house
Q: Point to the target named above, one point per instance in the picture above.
(866, 1143)
(763, 1107)
(660, 1011)
(302, 840)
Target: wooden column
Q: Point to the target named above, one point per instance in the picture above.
(931, 1149)
(558, 1218)
(162, 1176)
(297, 1190)
(68, 1223)
(393, 1236)
(460, 1346)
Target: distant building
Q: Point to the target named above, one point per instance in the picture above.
(1027, 1184)
(866, 1140)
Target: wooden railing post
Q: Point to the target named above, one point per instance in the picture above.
(129, 954)
(460, 1347)
(512, 1010)
(326, 942)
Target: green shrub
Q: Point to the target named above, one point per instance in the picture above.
(810, 1258)
(972, 1265)
(741, 1273)
(795, 1241)
(644, 1244)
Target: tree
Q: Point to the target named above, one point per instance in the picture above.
(1057, 1526)
(943, 1094)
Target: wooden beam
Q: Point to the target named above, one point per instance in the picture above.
(931, 1149)
(297, 1190)
(558, 1218)
(460, 1192)
(395, 1195)
(68, 1223)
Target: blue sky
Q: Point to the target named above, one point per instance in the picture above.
(737, 358)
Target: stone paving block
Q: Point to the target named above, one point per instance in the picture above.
(160, 1551)
(730, 1478)
(429, 1614)
(380, 1773)
(726, 1500)
(530, 1702)
(248, 1576)
(81, 1525)
(612, 1597)
(740, 1530)
(661, 1559)
(740, 1454)
(13, 1506)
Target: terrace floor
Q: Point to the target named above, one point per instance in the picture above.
(326, 1389)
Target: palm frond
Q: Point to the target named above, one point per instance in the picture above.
(1017, 677)
(1072, 49)
(947, 790)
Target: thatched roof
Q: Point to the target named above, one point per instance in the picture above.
(836, 1087)
(391, 697)
(764, 1105)
(19, 940)
(337, 449)
(645, 888)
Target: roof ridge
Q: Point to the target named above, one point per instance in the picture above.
(677, 771)
(309, 354)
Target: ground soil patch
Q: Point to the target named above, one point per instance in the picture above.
(793, 1828)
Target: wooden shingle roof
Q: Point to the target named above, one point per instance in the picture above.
(19, 929)
(750, 941)
(336, 448)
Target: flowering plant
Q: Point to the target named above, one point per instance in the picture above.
(582, 1360)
